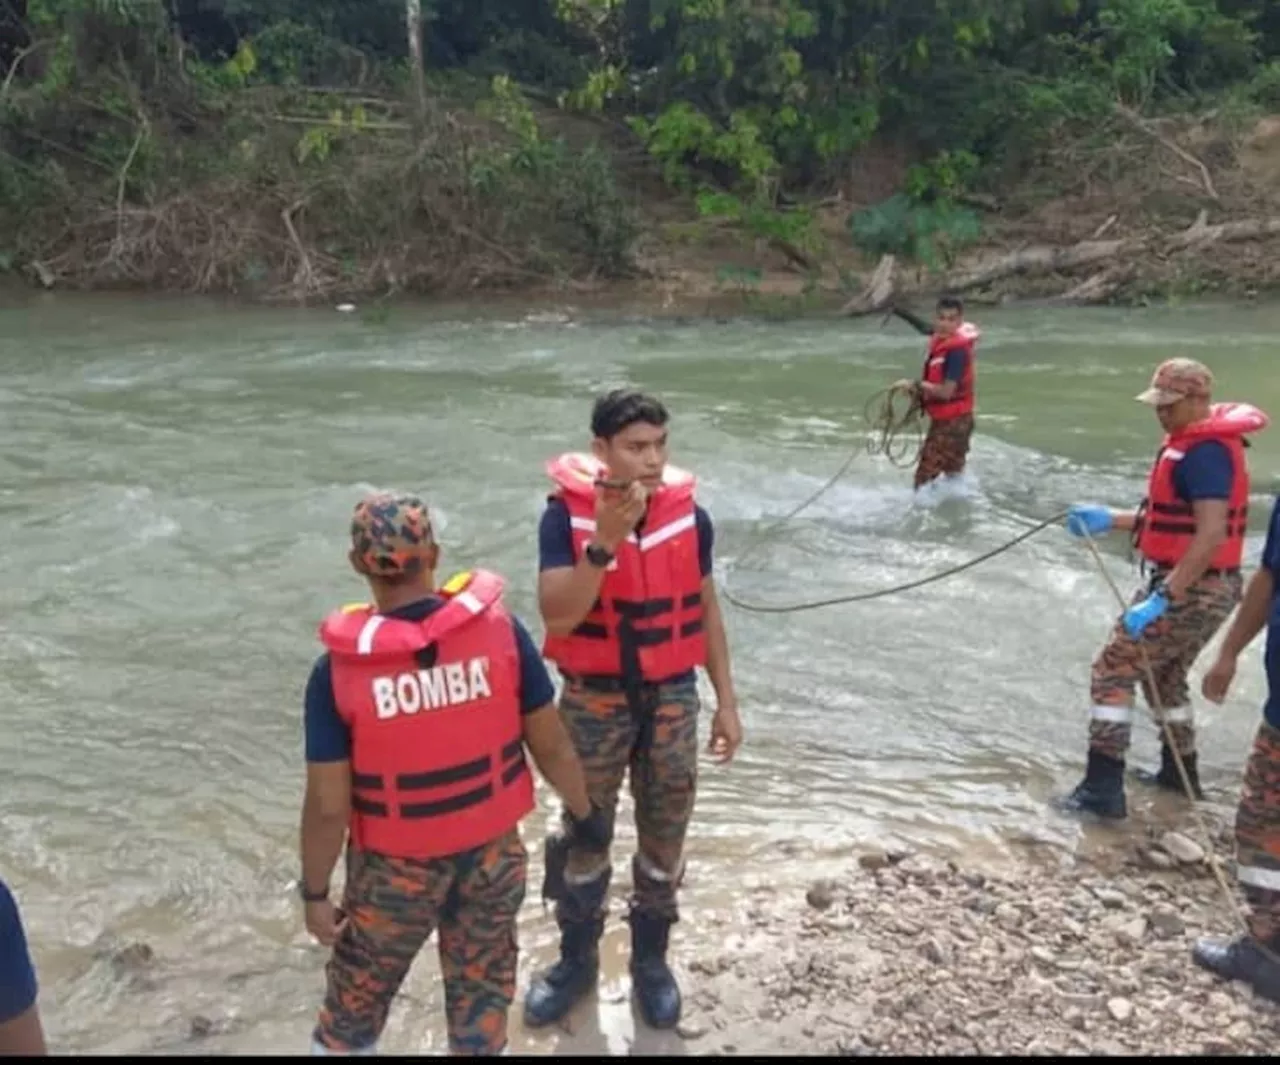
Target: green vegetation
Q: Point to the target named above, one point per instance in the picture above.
(314, 147)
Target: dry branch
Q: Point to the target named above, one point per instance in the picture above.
(879, 290)
(304, 271)
(1140, 123)
(122, 179)
(17, 62)
(318, 120)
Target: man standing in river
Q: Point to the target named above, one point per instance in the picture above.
(1190, 531)
(417, 719)
(945, 390)
(629, 603)
(1255, 957)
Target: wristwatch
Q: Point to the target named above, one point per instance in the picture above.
(1162, 588)
(598, 556)
(312, 896)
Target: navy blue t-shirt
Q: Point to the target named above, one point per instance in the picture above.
(329, 740)
(17, 974)
(1204, 472)
(555, 547)
(953, 366)
(1271, 560)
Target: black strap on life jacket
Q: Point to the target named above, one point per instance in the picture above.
(481, 768)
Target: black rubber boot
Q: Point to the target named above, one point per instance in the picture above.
(1168, 777)
(1102, 790)
(555, 991)
(1240, 959)
(656, 992)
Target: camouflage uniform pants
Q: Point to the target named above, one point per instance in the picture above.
(663, 783)
(945, 449)
(393, 905)
(1172, 644)
(1258, 836)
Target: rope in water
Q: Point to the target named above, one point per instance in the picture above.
(889, 427)
(897, 433)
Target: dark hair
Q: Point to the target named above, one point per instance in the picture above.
(951, 303)
(622, 408)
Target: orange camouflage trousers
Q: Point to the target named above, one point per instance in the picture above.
(393, 906)
(945, 449)
(1258, 836)
(1172, 644)
(610, 740)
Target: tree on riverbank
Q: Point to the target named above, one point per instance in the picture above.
(298, 147)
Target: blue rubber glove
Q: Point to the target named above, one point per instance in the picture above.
(1088, 518)
(1140, 615)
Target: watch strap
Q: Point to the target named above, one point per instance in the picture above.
(312, 896)
(598, 555)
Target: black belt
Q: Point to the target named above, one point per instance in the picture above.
(1159, 571)
(603, 682)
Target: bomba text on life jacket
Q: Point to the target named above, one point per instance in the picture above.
(437, 688)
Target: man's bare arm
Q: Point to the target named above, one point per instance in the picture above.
(553, 753)
(567, 594)
(326, 810)
(1211, 531)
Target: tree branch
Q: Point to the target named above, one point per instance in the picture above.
(13, 67)
(1140, 123)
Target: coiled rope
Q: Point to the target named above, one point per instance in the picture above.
(897, 433)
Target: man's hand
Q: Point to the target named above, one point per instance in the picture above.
(1218, 679)
(617, 513)
(593, 832)
(1137, 617)
(726, 733)
(325, 921)
(1089, 519)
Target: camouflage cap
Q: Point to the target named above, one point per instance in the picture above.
(1177, 379)
(390, 534)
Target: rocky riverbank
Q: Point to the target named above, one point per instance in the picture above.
(911, 955)
(901, 954)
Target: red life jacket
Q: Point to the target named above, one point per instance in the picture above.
(1166, 523)
(654, 583)
(935, 366)
(437, 752)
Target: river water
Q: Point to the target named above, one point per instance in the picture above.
(177, 479)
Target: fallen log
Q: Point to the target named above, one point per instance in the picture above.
(1095, 288)
(1039, 260)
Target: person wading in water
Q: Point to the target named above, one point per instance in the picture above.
(1190, 532)
(946, 389)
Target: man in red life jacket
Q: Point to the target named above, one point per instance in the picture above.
(629, 603)
(417, 719)
(1190, 533)
(945, 390)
